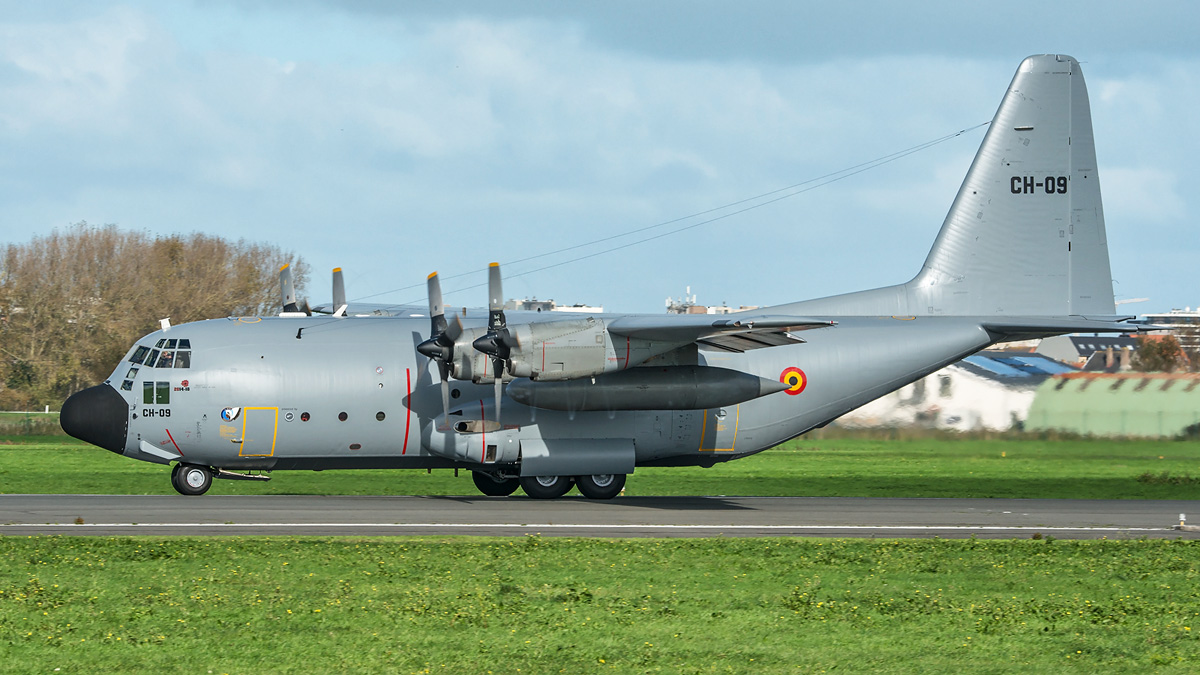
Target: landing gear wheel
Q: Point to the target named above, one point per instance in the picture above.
(493, 486)
(603, 486)
(191, 479)
(546, 487)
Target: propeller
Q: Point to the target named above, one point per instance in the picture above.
(498, 342)
(440, 345)
(339, 293)
(288, 289)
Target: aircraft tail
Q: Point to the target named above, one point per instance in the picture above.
(1025, 235)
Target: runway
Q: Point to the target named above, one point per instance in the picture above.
(106, 515)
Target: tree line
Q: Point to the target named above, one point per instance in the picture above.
(73, 302)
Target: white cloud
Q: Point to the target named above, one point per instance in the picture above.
(449, 142)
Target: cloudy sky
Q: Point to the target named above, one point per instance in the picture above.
(397, 138)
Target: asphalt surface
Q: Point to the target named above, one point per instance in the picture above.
(108, 515)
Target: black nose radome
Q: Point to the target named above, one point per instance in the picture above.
(97, 415)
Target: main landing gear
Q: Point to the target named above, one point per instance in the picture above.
(494, 485)
(604, 487)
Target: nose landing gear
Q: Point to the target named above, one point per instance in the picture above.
(191, 479)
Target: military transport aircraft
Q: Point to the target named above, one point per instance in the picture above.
(544, 403)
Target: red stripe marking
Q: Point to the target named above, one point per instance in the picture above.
(408, 413)
(173, 440)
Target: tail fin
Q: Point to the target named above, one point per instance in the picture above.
(1026, 232)
(1025, 235)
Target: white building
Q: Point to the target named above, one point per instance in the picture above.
(991, 390)
(535, 305)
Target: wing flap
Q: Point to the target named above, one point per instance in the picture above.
(691, 327)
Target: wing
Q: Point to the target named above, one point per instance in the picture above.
(692, 327)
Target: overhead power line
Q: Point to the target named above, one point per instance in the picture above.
(707, 216)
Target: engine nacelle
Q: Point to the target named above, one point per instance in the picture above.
(555, 351)
(562, 350)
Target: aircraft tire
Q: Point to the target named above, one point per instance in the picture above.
(604, 486)
(191, 479)
(493, 487)
(546, 487)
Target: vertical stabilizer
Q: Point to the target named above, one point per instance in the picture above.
(1026, 232)
(1025, 235)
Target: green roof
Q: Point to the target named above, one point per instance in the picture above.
(1117, 404)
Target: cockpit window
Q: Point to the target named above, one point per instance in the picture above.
(172, 353)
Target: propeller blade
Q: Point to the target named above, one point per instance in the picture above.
(444, 369)
(339, 293)
(288, 289)
(454, 330)
(442, 335)
(499, 390)
(437, 311)
(495, 298)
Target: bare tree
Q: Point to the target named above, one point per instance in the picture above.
(72, 302)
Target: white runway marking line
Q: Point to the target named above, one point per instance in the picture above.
(624, 526)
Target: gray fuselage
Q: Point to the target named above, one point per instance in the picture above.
(354, 393)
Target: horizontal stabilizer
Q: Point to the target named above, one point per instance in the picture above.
(1040, 326)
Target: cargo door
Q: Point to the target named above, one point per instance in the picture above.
(259, 427)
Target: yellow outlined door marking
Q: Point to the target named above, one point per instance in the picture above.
(259, 433)
(717, 436)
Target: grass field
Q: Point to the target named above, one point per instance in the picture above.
(533, 605)
(28, 423)
(853, 467)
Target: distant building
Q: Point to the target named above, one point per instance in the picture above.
(687, 305)
(1184, 324)
(991, 390)
(535, 305)
(1078, 350)
(1118, 404)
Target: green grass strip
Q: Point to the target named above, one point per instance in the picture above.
(534, 605)
(1020, 467)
